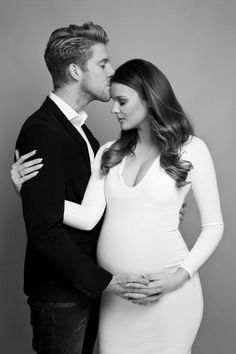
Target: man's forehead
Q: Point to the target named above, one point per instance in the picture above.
(100, 53)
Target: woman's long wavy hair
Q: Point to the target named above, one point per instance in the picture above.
(168, 121)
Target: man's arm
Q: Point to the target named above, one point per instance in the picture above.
(43, 207)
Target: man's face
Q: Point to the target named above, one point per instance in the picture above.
(96, 79)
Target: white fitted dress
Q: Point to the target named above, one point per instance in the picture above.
(140, 235)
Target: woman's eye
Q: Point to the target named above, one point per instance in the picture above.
(122, 103)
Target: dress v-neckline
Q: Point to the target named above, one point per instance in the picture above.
(121, 170)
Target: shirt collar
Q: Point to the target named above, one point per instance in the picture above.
(67, 110)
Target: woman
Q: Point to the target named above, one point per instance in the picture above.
(142, 180)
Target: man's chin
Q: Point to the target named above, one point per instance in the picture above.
(103, 96)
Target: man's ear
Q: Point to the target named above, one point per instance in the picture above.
(74, 71)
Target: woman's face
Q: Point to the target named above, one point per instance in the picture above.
(130, 110)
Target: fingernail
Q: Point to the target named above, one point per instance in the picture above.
(40, 165)
(40, 159)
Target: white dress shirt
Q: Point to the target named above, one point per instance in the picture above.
(77, 119)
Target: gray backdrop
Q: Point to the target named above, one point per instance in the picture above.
(193, 42)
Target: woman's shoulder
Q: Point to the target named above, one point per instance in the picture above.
(194, 145)
(195, 149)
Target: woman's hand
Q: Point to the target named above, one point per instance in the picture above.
(159, 285)
(22, 170)
(167, 282)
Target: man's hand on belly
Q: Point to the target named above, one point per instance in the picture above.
(124, 285)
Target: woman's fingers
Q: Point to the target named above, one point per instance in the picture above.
(31, 163)
(17, 155)
(23, 171)
(22, 158)
(26, 167)
(30, 166)
(29, 176)
(146, 291)
(26, 170)
(17, 182)
(135, 285)
(133, 279)
(148, 300)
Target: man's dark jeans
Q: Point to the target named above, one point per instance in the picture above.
(58, 328)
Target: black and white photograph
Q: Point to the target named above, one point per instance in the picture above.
(117, 177)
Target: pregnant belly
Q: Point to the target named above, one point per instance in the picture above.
(134, 250)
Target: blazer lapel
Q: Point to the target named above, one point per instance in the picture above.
(70, 129)
(93, 141)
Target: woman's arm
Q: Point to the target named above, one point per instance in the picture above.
(205, 191)
(204, 186)
(84, 216)
(87, 215)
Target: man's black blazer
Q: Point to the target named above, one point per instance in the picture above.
(60, 260)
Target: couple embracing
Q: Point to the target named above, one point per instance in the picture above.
(119, 204)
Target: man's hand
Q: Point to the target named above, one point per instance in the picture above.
(143, 295)
(146, 300)
(136, 289)
(22, 170)
(124, 285)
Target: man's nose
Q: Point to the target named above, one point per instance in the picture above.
(110, 71)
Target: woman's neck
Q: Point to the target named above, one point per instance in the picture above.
(146, 139)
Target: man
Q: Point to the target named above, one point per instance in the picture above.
(61, 277)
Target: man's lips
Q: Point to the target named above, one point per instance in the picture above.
(120, 119)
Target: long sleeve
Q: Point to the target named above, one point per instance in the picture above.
(43, 205)
(88, 214)
(204, 187)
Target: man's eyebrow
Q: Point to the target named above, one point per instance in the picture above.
(105, 60)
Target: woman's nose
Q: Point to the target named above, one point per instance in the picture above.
(115, 108)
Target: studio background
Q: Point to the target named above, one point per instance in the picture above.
(193, 43)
